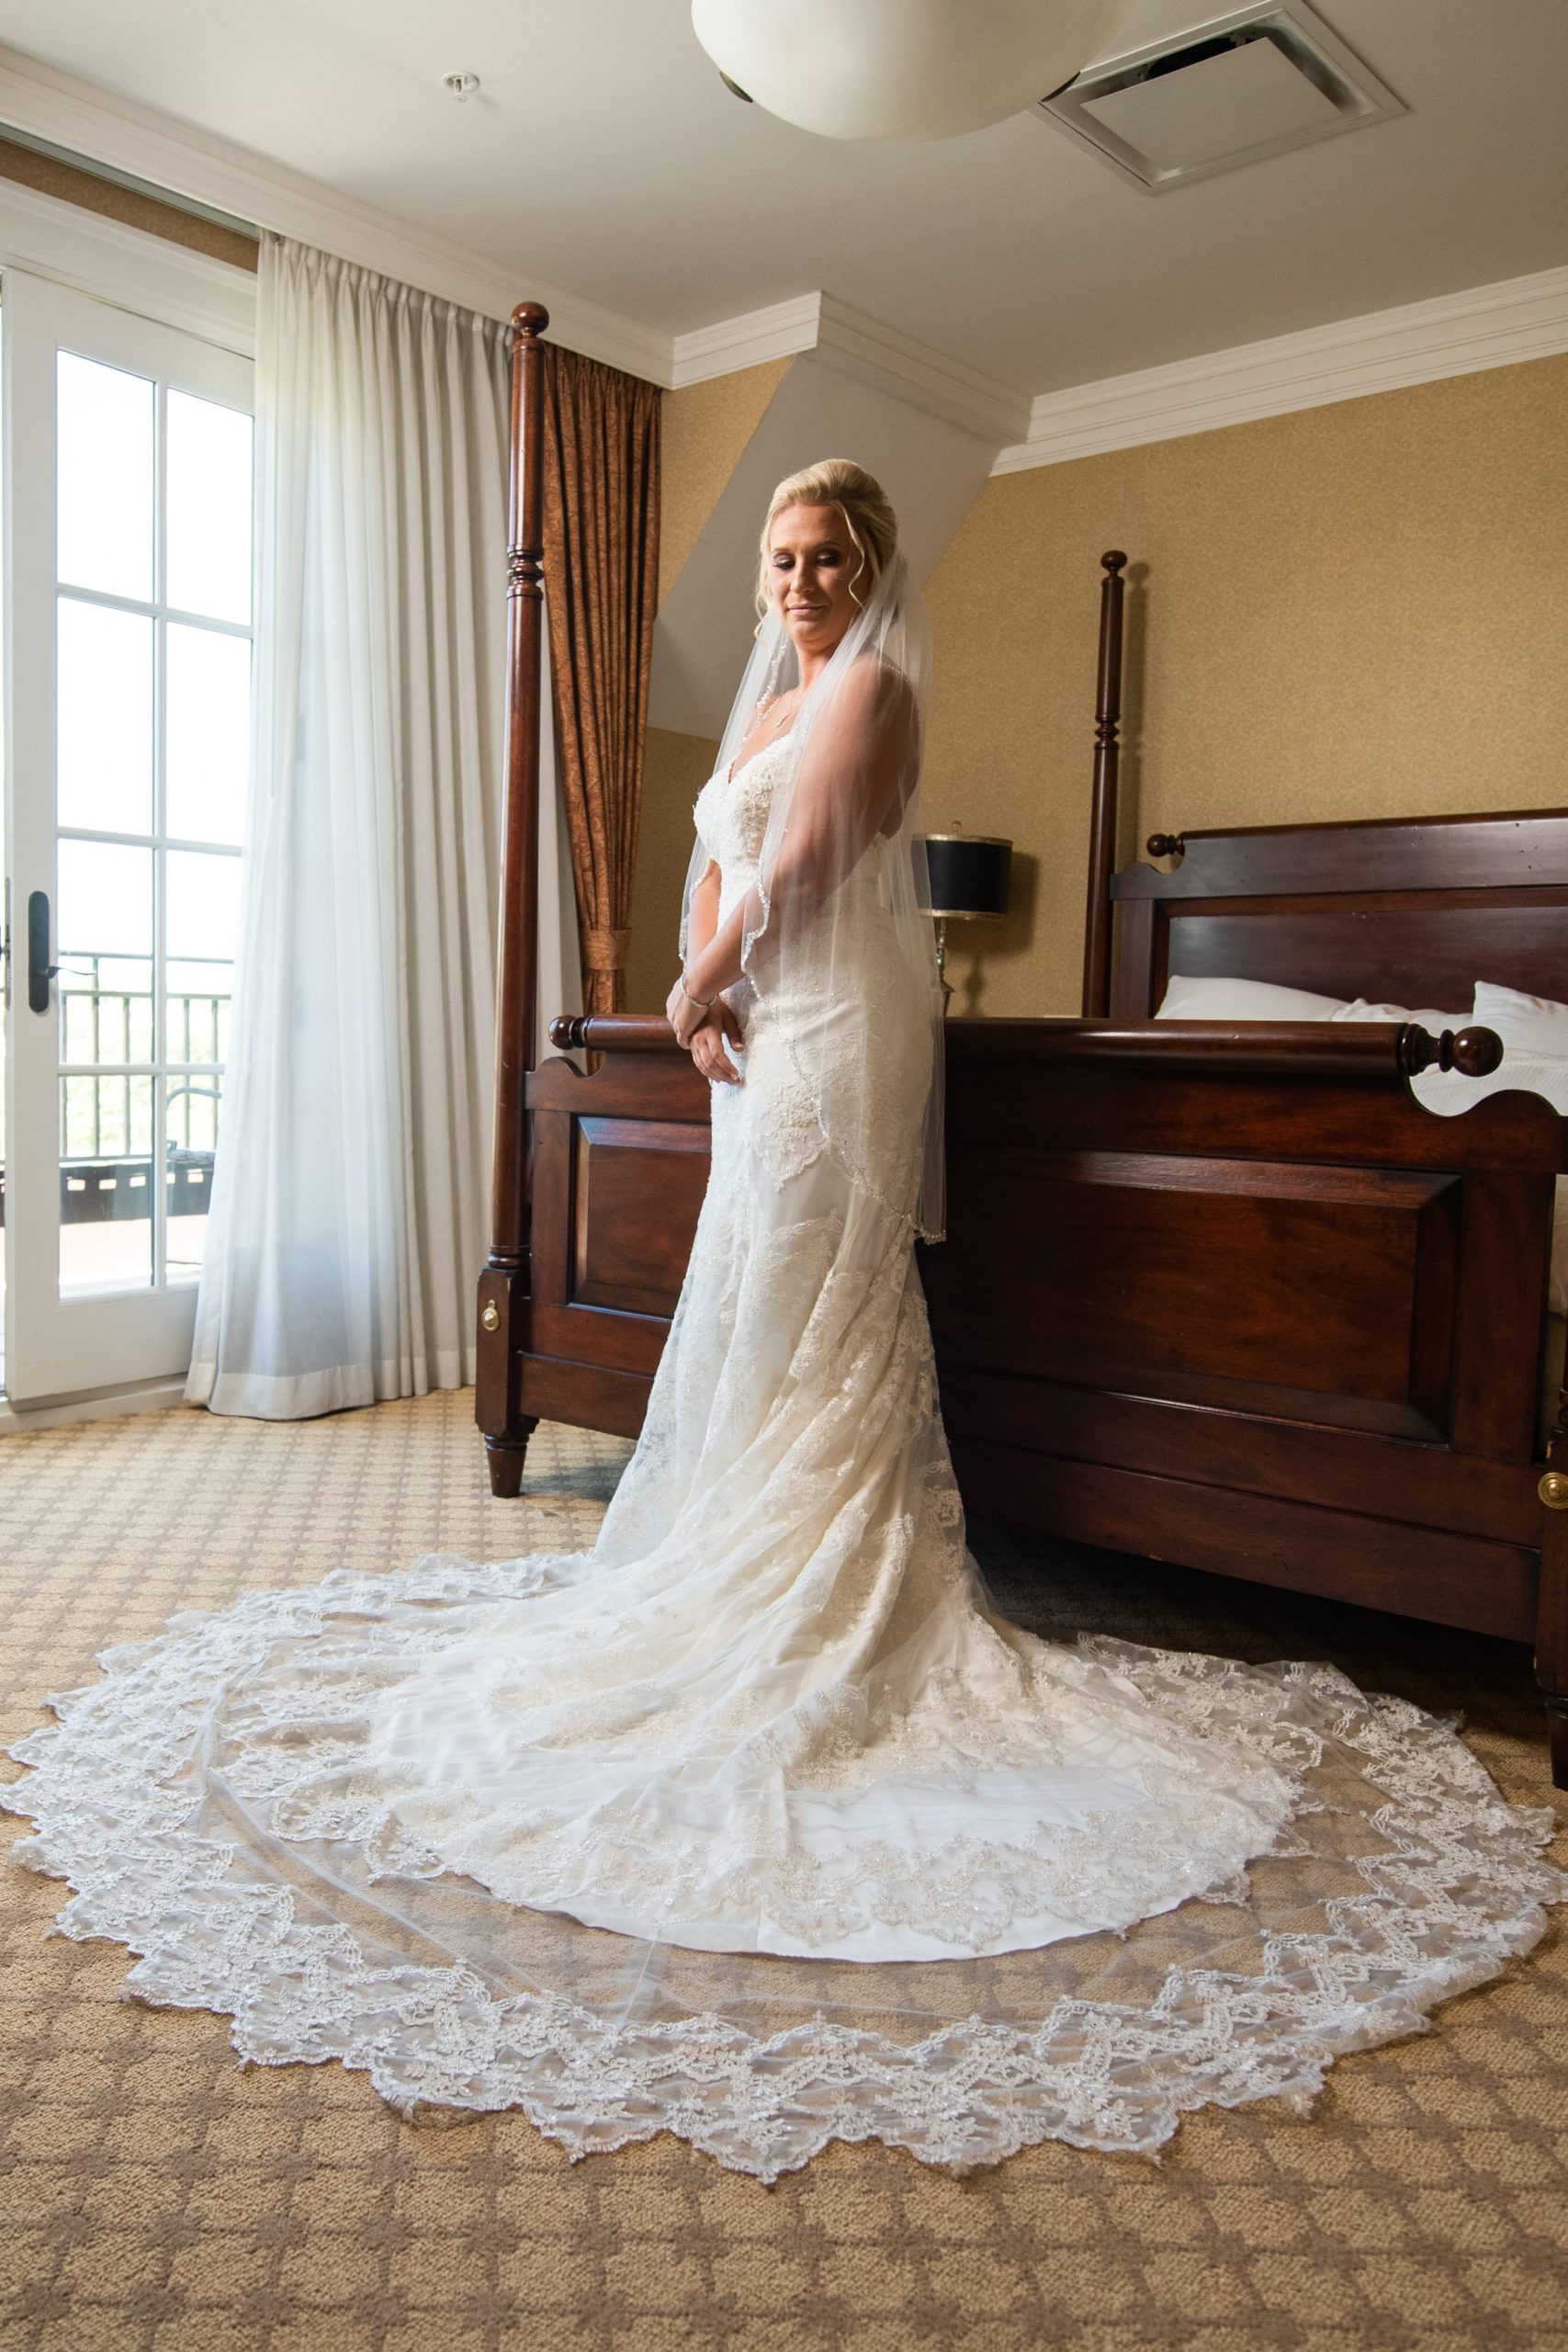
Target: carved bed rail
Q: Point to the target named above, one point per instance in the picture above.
(613, 1033)
(1386, 1051)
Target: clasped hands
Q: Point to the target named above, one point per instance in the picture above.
(705, 1032)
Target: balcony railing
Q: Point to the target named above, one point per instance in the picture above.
(106, 1109)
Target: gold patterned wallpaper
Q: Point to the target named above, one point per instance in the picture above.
(705, 428)
(676, 768)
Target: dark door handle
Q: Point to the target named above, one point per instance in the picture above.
(41, 972)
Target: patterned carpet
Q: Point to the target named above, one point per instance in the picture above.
(157, 2197)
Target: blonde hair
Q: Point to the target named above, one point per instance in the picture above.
(868, 518)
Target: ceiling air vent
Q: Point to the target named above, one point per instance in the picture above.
(1249, 84)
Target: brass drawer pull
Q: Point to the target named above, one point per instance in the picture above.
(1554, 1490)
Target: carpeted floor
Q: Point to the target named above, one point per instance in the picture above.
(156, 2197)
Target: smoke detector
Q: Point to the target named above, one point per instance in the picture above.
(1254, 82)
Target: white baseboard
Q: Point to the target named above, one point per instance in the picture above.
(150, 1396)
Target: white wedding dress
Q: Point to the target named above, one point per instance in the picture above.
(765, 1732)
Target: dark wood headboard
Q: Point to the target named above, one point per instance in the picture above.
(1411, 913)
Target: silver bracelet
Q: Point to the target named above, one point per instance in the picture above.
(701, 1002)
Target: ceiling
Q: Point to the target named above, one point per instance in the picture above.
(604, 154)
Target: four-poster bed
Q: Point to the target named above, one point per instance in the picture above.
(1223, 1295)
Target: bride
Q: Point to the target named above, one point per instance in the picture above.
(755, 1823)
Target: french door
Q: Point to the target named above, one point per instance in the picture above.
(128, 616)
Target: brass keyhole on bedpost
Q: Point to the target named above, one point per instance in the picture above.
(490, 1318)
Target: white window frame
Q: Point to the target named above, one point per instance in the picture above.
(171, 286)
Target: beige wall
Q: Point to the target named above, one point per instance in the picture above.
(1359, 610)
(676, 768)
(705, 427)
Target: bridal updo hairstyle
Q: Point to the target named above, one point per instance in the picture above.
(859, 498)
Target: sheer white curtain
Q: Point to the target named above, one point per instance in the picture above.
(349, 1205)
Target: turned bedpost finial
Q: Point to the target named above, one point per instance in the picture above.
(1474, 1053)
(1166, 845)
(525, 552)
(1107, 768)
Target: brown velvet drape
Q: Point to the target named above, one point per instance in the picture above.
(601, 581)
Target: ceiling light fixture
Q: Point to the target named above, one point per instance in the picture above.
(901, 69)
(460, 85)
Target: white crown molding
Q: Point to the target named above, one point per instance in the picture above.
(912, 372)
(747, 340)
(106, 129)
(215, 300)
(1455, 335)
(860, 347)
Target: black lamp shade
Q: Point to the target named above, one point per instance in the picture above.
(967, 874)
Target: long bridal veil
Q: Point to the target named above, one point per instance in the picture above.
(846, 783)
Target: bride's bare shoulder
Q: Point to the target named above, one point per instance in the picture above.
(876, 694)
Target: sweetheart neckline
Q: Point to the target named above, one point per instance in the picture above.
(736, 765)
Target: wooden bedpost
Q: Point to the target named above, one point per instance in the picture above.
(505, 1284)
(1107, 774)
(1551, 1624)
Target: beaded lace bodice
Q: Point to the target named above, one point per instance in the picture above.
(731, 815)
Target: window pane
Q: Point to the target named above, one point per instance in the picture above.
(198, 1011)
(203, 908)
(105, 719)
(106, 900)
(203, 898)
(209, 734)
(105, 1185)
(105, 493)
(104, 951)
(208, 537)
(105, 1009)
(192, 1114)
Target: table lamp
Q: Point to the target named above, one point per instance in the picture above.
(966, 875)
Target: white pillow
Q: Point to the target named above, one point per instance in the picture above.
(1535, 1024)
(1225, 1000)
(1359, 1010)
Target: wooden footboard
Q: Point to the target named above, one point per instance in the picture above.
(1275, 1321)
(1258, 1320)
(620, 1163)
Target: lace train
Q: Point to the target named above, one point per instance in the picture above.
(1406, 1878)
